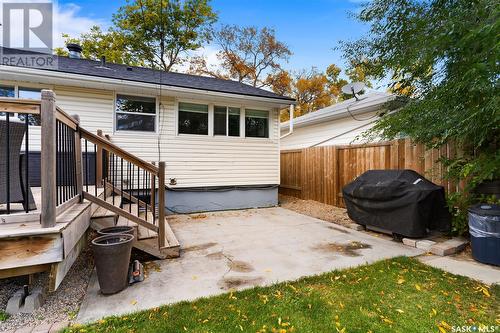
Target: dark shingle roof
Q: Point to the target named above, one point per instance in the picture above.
(140, 74)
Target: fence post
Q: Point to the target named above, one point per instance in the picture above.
(48, 159)
(335, 176)
(161, 204)
(78, 160)
(98, 159)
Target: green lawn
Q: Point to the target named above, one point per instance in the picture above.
(398, 295)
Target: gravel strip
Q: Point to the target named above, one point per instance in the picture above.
(316, 209)
(61, 305)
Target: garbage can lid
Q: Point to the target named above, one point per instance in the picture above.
(485, 209)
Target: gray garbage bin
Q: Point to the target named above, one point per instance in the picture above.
(112, 258)
(484, 229)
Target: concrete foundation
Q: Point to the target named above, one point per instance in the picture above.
(181, 201)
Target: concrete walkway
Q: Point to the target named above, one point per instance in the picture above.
(242, 249)
(471, 269)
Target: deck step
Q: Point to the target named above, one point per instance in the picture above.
(143, 232)
(146, 239)
(102, 212)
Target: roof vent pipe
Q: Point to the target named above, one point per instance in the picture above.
(290, 122)
(75, 50)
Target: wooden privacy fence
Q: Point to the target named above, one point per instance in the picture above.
(320, 173)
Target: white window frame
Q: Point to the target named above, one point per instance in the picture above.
(211, 106)
(156, 114)
(227, 106)
(269, 123)
(210, 118)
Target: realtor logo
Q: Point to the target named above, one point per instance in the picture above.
(27, 34)
(27, 26)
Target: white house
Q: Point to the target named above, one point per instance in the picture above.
(338, 124)
(219, 138)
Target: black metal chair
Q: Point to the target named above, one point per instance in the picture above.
(16, 176)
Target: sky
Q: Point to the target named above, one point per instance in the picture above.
(311, 28)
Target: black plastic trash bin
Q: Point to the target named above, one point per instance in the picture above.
(484, 229)
(112, 258)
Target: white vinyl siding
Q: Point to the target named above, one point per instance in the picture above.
(306, 136)
(193, 160)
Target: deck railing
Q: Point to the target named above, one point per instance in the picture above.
(68, 155)
(15, 121)
(127, 177)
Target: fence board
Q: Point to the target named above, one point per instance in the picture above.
(320, 173)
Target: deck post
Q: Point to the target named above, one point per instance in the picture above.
(78, 160)
(48, 159)
(161, 204)
(98, 158)
(152, 202)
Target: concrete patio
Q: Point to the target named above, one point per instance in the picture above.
(241, 249)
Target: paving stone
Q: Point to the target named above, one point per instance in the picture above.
(356, 226)
(56, 327)
(448, 247)
(410, 242)
(15, 303)
(44, 328)
(425, 244)
(33, 301)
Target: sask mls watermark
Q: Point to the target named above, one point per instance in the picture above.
(27, 34)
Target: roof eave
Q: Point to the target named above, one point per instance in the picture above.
(284, 101)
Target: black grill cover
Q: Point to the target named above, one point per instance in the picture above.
(401, 201)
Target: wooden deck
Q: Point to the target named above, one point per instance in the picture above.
(26, 247)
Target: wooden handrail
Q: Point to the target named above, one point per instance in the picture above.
(17, 105)
(112, 148)
(66, 119)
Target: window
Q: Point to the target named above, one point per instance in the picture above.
(256, 123)
(134, 113)
(29, 93)
(226, 121)
(193, 118)
(6, 91)
(26, 93)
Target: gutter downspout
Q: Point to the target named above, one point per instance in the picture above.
(290, 122)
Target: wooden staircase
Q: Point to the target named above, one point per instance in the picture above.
(120, 176)
(146, 239)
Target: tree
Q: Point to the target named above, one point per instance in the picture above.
(96, 44)
(335, 82)
(311, 90)
(445, 52)
(150, 33)
(161, 31)
(246, 54)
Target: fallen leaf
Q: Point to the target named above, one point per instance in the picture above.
(445, 325)
(417, 286)
(401, 281)
(400, 311)
(134, 302)
(441, 329)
